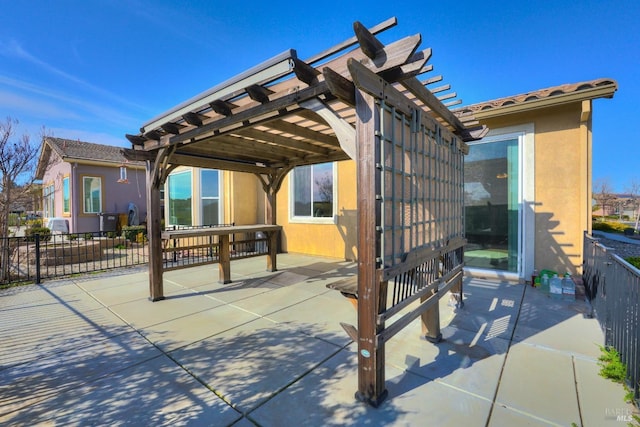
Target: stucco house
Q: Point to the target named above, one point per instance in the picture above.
(527, 189)
(82, 181)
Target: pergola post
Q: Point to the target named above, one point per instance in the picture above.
(271, 184)
(154, 214)
(371, 290)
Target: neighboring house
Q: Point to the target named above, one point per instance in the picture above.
(621, 205)
(527, 189)
(82, 180)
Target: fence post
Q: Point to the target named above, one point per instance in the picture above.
(37, 259)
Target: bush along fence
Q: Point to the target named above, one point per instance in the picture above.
(41, 255)
(613, 288)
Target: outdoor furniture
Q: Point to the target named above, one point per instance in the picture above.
(224, 232)
(348, 287)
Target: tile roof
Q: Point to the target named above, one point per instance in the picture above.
(542, 94)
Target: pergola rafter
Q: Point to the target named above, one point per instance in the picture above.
(336, 106)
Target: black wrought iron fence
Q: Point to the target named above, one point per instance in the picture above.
(613, 288)
(36, 257)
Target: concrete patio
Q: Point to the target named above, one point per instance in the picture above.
(268, 350)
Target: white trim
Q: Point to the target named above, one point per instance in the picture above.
(201, 198)
(332, 220)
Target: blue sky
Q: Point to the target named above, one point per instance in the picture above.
(95, 70)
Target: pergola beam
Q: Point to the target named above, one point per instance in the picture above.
(211, 163)
(288, 144)
(249, 115)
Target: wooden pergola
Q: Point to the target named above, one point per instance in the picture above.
(359, 100)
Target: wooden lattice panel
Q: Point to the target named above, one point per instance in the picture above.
(421, 184)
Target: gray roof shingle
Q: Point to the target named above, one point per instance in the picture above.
(76, 149)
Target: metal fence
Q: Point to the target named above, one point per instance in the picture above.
(42, 256)
(613, 288)
(37, 257)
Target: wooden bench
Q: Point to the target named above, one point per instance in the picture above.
(348, 287)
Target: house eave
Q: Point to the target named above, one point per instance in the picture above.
(605, 91)
(105, 163)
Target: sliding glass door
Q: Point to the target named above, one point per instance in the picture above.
(492, 201)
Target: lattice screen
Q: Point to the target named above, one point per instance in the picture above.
(421, 187)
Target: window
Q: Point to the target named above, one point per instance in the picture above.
(123, 175)
(210, 196)
(66, 199)
(180, 198)
(92, 194)
(48, 195)
(313, 193)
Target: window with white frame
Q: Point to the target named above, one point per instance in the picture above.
(92, 194)
(180, 191)
(210, 196)
(313, 193)
(48, 195)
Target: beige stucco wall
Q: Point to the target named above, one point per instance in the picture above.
(562, 204)
(241, 194)
(336, 240)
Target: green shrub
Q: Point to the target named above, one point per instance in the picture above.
(34, 223)
(44, 232)
(612, 368)
(14, 219)
(609, 226)
(87, 236)
(634, 260)
(135, 233)
(72, 236)
(112, 234)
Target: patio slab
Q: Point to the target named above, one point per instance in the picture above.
(539, 382)
(269, 350)
(325, 397)
(46, 377)
(253, 362)
(154, 393)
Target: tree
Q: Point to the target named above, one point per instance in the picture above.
(17, 160)
(603, 194)
(634, 193)
(325, 188)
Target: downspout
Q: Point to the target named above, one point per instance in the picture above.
(75, 197)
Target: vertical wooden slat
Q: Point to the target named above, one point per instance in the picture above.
(371, 387)
(156, 288)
